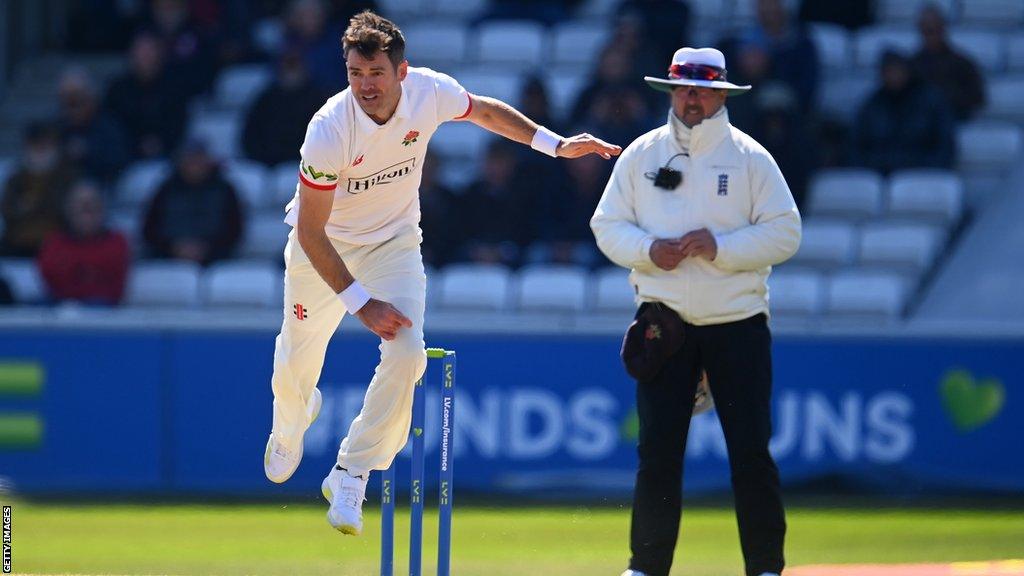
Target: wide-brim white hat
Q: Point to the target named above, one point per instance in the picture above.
(703, 67)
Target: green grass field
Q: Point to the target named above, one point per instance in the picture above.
(572, 541)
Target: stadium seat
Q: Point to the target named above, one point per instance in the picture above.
(870, 43)
(906, 11)
(870, 294)
(265, 236)
(220, 130)
(833, 44)
(796, 292)
(842, 97)
(826, 244)
(283, 180)
(932, 195)
(513, 44)
(612, 290)
(985, 48)
(243, 284)
(436, 43)
(238, 86)
(402, 8)
(494, 83)
(909, 247)
(988, 145)
(23, 278)
(462, 10)
(463, 140)
(250, 181)
(139, 182)
(563, 90)
(170, 284)
(474, 287)
(578, 43)
(1015, 52)
(597, 8)
(713, 11)
(552, 287)
(850, 193)
(1005, 98)
(992, 13)
(127, 221)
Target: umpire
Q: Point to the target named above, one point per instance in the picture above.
(700, 212)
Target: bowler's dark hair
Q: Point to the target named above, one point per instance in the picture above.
(369, 33)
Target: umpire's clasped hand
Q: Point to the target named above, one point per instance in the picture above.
(667, 253)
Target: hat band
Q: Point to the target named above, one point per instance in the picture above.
(696, 72)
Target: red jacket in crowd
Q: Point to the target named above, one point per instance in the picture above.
(91, 270)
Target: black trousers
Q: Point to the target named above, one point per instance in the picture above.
(737, 358)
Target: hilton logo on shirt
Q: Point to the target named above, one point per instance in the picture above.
(386, 176)
(723, 184)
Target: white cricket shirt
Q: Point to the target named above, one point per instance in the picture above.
(374, 170)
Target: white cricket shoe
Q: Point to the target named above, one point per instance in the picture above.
(280, 460)
(633, 573)
(346, 494)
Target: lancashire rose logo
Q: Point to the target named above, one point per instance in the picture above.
(410, 137)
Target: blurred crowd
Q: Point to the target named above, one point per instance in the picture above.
(522, 208)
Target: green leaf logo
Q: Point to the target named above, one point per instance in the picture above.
(315, 175)
(20, 380)
(417, 431)
(968, 403)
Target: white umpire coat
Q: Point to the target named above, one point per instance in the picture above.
(732, 186)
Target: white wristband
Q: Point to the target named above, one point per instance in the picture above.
(546, 141)
(354, 297)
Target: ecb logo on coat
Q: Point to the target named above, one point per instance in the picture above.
(723, 184)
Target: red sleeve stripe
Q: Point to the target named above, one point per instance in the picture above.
(316, 186)
(468, 109)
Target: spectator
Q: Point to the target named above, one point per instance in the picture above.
(619, 113)
(779, 129)
(850, 14)
(94, 142)
(754, 67)
(276, 122)
(195, 214)
(614, 69)
(97, 26)
(147, 104)
(190, 54)
(535, 103)
(438, 218)
(955, 75)
(793, 57)
(230, 22)
(905, 123)
(662, 24)
(565, 229)
(547, 12)
(495, 210)
(318, 40)
(35, 192)
(85, 261)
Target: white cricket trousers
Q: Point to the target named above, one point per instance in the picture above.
(391, 271)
